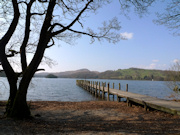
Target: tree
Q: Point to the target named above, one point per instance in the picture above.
(52, 20)
(11, 75)
(174, 77)
(171, 17)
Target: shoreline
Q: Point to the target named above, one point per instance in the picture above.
(90, 117)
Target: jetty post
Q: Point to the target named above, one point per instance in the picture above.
(127, 99)
(113, 94)
(99, 89)
(85, 83)
(93, 88)
(96, 89)
(103, 91)
(108, 93)
(89, 86)
(129, 103)
(118, 98)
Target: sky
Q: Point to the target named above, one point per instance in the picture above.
(149, 46)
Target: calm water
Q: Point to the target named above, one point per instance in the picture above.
(66, 90)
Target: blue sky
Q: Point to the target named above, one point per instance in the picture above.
(149, 46)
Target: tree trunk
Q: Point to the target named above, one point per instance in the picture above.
(13, 91)
(11, 75)
(20, 108)
(12, 80)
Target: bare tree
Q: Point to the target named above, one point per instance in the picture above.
(141, 6)
(171, 17)
(48, 21)
(11, 75)
(174, 77)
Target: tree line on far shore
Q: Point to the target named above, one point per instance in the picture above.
(122, 74)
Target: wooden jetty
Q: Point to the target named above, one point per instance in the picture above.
(99, 89)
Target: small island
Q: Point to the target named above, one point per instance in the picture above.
(51, 76)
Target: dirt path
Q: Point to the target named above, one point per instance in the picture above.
(94, 117)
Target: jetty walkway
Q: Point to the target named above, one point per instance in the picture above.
(99, 89)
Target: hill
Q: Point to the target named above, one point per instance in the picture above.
(82, 73)
(134, 74)
(123, 74)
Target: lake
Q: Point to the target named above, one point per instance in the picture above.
(64, 89)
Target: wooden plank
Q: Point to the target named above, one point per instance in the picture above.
(147, 101)
(152, 102)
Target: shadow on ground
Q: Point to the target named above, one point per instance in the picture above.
(93, 121)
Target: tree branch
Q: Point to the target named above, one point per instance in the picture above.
(23, 2)
(40, 70)
(13, 52)
(105, 31)
(171, 17)
(11, 76)
(26, 36)
(74, 21)
(51, 44)
(38, 13)
(43, 1)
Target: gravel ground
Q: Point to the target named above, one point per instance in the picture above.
(89, 118)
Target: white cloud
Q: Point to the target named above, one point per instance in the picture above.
(126, 35)
(176, 60)
(152, 66)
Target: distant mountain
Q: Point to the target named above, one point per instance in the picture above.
(82, 73)
(124, 74)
